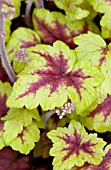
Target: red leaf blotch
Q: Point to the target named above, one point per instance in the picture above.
(58, 32)
(75, 145)
(104, 107)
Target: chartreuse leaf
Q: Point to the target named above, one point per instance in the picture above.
(99, 118)
(104, 165)
(15, 121)
(2, 143)
(73, 146)
(106, 24)
(53, 26)
(11, 10)
(91, 46)
(5, 90)
(72, 9)
(25, 141)
(103, 6)
(21, 38)
(54, 79)
(7, 25)
(92, 13)
(17, 5)
(100, 54)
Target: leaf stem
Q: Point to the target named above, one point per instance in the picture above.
(48, 115)
(39, 3)
(27, 13)
(8, 68)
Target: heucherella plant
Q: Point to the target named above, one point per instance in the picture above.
(55, 82)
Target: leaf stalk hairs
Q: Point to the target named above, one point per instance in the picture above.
(8, 68)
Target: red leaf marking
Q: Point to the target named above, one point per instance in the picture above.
(55, 75)
(108, 1)
(105, 164)
(104, 51)
(3, 108)
(26, 44)
(1, 125)
(104, 107)
(58, 32)
(75, 145)
(21, 135)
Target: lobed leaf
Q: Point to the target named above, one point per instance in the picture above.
(15, 121)
(104, 165)
(72, 9)
(99, 118)
(25, 141)
(5, 91)
(21, 38)
(103, 6)
(53, 26)
(55, 79)
(73, 146)
(100, 55)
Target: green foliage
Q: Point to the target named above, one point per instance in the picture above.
(72, 9)
(103, 6)
(64, 58)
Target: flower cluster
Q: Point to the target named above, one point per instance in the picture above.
(22, 55)
(67, 108)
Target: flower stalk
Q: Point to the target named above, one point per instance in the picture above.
(7, 66)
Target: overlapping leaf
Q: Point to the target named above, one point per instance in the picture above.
(100, 55)
(25, 141)
(54, 26)
(5, 90)
(103, 6)
(11, 10)
(73, 146)
(72, 9)
(105, 164)
(21, 38)
(15, 121)
(54, 78)
(99, 119)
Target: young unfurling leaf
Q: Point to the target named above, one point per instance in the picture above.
(54, 78)
(73, 146)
